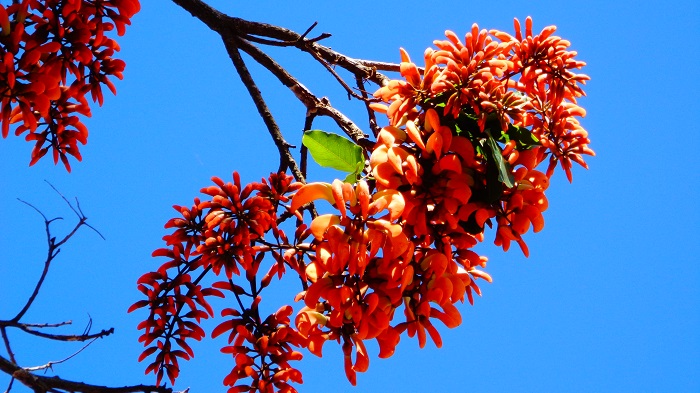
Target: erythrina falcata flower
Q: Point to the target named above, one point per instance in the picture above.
(53, 53)
(466, 135)
(395, 252)
(456, 137)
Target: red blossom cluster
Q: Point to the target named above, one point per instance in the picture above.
(367, 264)
(223, 234)
(269, 349)
(52, 53)
(460, 153)
(466, 136)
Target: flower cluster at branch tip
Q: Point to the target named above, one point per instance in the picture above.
(465, 137)
(460, 153)
(220, 235)
(53, 53)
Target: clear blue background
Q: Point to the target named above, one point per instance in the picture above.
(608, 300)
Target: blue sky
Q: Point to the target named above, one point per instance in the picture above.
(608, 301)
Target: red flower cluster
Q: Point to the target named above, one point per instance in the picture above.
(464, 139)
(365, 266)
(224, 234)
(52, 53)
(266, 357)
(356, 271)
(460, 153)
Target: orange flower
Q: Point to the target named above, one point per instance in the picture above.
(262, 351)
(460, 153)
(45, 73)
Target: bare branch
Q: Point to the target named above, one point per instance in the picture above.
(46, 325)
(320, 37)
(80, 216)
(52, 252)
(43, 384)
(337, 77)
(224, 24)
(77, 210)
(50, 364)
(6, 341)
(63, 337)
(286, 158)
(313, 104)
(9, 386)
(370, 113)
(308, 123)
(38, 211)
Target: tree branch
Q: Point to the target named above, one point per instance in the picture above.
(47, 325)
(52, 252)
(51, 363)
(286, 158)
(6, 341)
(313, 104)
(237, 35)
(43, 384)
(54, 247)
(62, 337)
(223, 24)
(370, 113)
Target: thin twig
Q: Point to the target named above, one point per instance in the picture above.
(52, 252)
(78, 212)
(286, 158)
(6, 341)
(313, 104)
(88, 326)
(45, 325)
(50, 364)
(304, 151)
(40, 383)
(66, 337)
(305, 33)
(370, 113)
(65, 199)
(268, 42)
(224, 24)
(9, 386)
(337, 77)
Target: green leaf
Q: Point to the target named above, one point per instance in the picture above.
(355, 175)
(466, 125)
(504, 173)
(351, 178)
(525, 138)
(334, 151)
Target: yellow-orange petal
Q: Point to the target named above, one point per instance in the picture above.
(414, 134)
(321, 223)
(311, 192)
(404, 56)
(432, 120)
